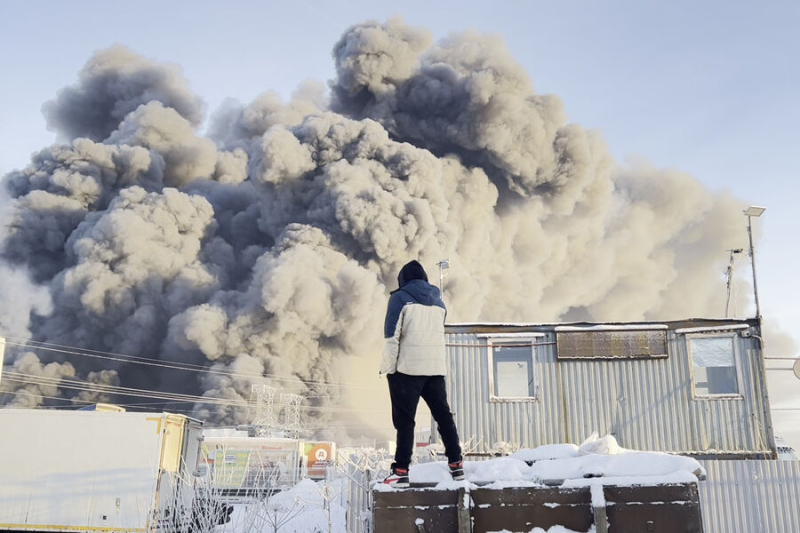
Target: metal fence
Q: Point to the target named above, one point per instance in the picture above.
(751, 496)
(359, 504)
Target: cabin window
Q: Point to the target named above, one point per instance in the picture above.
(634, 341)
(714, 370)
(513, 373)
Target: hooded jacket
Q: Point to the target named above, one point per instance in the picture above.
(414, 326)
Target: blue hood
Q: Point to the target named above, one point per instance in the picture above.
(415, 291)
(423, 292)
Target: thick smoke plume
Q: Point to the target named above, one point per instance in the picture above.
(269, 246)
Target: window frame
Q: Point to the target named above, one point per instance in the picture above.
(737, 365)
(563, 344)
(527, 340)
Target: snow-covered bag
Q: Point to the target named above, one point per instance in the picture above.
(596, 445)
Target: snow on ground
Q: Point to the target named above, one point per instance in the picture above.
(308, 507)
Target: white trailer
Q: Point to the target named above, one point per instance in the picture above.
(95, 471)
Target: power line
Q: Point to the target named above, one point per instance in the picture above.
(73, 384)
(174, 365)
(120, 391)
(27, 393)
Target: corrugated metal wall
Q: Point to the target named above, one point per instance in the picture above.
(751, 496)
(646, 404)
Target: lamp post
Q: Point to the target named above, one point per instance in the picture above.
(754, 211)
(443, 265)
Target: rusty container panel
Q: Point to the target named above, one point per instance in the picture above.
(523, 509)
(669, 508)
(399, 511)
(654, 509)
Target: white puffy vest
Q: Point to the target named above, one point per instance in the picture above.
(417, 347)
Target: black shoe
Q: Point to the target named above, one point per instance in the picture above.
(398, 478)
(457, 470)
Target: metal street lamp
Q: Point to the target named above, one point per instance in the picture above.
(443, 265)
(750, 212)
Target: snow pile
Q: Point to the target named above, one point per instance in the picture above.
(306, 507)
(606, 445)
(554, 529)
(634, 468)
(548, 451)
(599, 460)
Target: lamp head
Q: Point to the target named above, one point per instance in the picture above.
(754, 211)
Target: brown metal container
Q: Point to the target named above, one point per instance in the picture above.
(654, 509)
(522, 509)
(669, 508)
(403, 511)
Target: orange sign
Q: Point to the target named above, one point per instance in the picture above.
(319, 455)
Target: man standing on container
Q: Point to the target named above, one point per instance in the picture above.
(414, 361)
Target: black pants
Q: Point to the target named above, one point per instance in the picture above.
(406, 391)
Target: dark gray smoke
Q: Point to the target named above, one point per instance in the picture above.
(269, 247)
(115, 82)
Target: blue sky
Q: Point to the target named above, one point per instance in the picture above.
(710, 88)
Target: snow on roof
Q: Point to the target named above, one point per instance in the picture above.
(498, 324)
(548, 451)
(566, 465)
(635, 468)
(224, 432)
(712, 328)
(715, 323)
(517, 335)
(612, 327)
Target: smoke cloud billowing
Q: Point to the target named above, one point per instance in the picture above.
(270, 245)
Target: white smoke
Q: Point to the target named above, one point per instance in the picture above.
(269, 248)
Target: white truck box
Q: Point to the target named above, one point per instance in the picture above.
(94, 471)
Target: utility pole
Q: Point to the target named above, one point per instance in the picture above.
(754, 211)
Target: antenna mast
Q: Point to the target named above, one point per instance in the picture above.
(729, 275)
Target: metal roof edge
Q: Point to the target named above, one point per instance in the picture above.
(487, 327)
